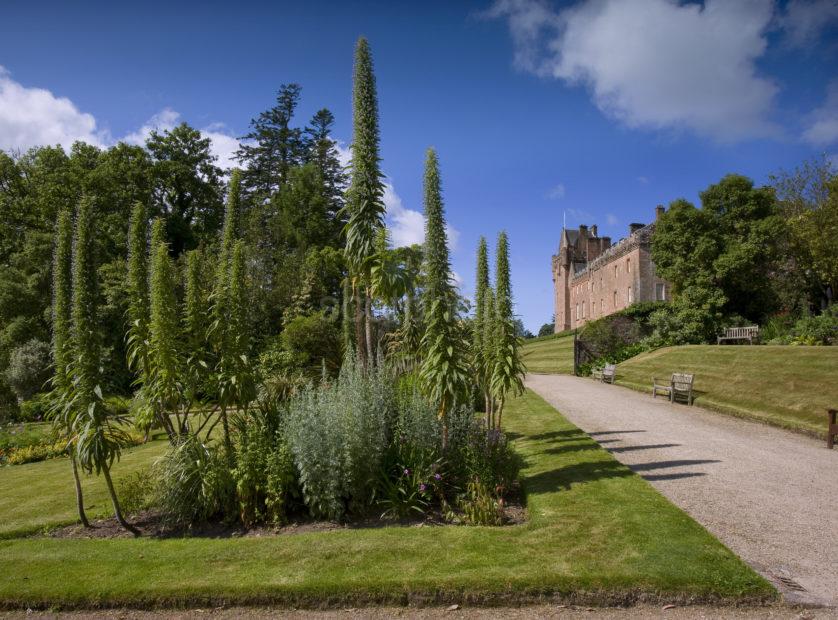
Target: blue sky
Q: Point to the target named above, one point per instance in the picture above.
(594, 110)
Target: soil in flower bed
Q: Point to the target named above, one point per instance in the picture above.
(150, 524)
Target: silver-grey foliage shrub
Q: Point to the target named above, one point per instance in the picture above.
(338, 433)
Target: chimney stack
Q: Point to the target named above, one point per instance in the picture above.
(633, 228)
(583, 230)
(593, 230)
(659, 211)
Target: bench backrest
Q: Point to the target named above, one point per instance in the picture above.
(682, 382)
(742, 332)
(609, 369)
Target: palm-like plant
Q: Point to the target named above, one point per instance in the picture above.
(62, 349)
(98, 438)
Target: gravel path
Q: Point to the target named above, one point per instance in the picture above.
(768, 494)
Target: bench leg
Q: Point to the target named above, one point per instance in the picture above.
(831, 428)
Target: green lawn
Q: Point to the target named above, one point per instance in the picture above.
(597, 532)
(38, 495)
(782, 385)
(549, 355)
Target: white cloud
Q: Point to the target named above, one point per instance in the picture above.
(407, 226)
(822, 127)
(643, 180)
(222, 144)
(805, 20)
(611, 219)
(655, 64)
(557, 192)
(36, 117)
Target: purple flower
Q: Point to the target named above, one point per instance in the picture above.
(421, 487)
(406, 472)
(437, 477)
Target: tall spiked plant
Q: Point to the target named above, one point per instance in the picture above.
(195, 327)
(98, 439)
(165, 388)
(365, 197)
(62, 349)
(508, 373)
(236, 385)
(139, 309)
(488, 352)
(480, 362)
(444, 372)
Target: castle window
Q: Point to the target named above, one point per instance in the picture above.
(615, 300)
(583, 309)
(628, 265)
(616, 270)
(660, 291)
(629, 296)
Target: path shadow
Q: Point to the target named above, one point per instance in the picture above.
(576, 434)
(597, 433)
(647, 447)
(563, 478)
(575, 447)
(665, 464)
(687, 474)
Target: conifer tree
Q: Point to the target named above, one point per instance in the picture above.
(98, 440)
(62, 349)
(365, 198)
(509, 369)
(443, 373)
(165, 386)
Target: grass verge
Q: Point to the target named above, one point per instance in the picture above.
(552, 354)
(786, 386)
(597, 533)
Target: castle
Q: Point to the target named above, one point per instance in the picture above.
(592, 278)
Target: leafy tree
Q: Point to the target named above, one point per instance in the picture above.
(546, 329)
(98, 440)
(62, 346)
(509, 369)
(444, 372)
(720, 258)
(808, 198)
(187, 186)
(365, 197)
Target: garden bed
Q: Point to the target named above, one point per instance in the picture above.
(596, 533)
(150, 524)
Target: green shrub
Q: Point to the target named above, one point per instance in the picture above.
(195, 484)
(313, 341)
(479, 505)
(29, 368)
(409, 482)
(817, 330)
(136, 491)
(35, 409)
(264, 473)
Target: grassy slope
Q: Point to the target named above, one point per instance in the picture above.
(782, 385)
(552, 355)
(596, 532)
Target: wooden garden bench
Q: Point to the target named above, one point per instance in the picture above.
(740, 333)
(831, 427)
(606, 374)
(680, 386)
